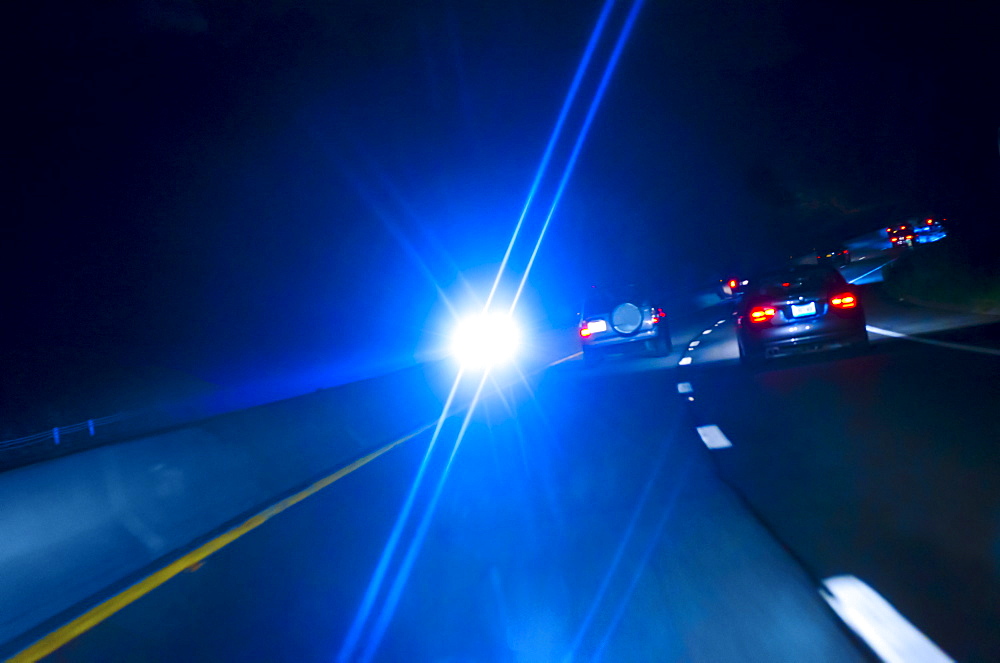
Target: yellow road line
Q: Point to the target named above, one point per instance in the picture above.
(102, 611)
(62, 635)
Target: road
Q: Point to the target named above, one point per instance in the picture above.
(882, 465)
(583, 518)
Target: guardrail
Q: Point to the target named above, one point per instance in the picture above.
(56, 435)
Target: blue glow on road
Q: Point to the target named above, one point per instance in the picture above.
(399, 583)
(644, 562)
(403, 574)
(378, 577)
(616, 560)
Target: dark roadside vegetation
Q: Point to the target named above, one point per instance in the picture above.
(950, 274)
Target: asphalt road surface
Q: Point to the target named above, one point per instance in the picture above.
(883, 464)
(583, 518)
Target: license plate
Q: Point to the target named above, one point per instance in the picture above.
(799, 310)
(595, 326)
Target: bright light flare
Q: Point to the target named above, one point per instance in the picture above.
(486, 340)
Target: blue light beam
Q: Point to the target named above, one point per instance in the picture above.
(416, 543)
(553, 139)
(591, 112)
(378, 577)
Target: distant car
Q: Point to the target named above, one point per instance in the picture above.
(930, 230)
(901, 235)
(837, 257)
(731, 287)
(623, 320)
(805, 308)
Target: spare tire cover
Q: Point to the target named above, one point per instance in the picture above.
(626, 318)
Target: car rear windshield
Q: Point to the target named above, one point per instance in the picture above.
(782, 283)
(602, 300)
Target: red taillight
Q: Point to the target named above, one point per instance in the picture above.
(732, 284)
(761, 313)
(909, 237)
(846, 300)
(894, 239)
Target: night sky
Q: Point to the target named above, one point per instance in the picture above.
(234, 193)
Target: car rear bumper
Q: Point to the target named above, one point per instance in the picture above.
(616, 342)
(804, 337)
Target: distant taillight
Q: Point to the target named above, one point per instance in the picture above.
(761, 313)
(846, 300)
(585, 332)
(733, 284)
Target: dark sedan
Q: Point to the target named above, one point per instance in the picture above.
(799, 309)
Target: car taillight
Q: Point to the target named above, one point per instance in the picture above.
(733, 283)
(592, 327)
(846, 300)
(909, 237)
(761, 313)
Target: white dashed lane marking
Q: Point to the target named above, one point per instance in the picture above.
(890, 635)
(713, 437)
(684, 388)
(684, 361)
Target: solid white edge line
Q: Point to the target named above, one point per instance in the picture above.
(684, 388)
(871, 271)
(930, 341)
(713, 437)
(889, 634)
